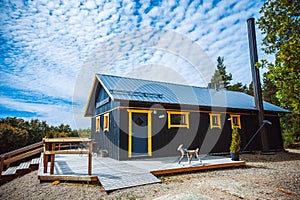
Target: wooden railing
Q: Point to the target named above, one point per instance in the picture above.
(50, 150)
(13, 156)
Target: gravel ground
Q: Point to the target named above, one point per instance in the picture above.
(265, 177)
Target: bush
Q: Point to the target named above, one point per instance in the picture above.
(16, 133)
(235, 146)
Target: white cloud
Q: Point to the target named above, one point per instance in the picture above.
(52, 113)
(51, 42)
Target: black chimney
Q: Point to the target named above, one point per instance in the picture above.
(256, 81)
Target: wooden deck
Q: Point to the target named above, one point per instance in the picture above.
(114, 174)
(169, 165)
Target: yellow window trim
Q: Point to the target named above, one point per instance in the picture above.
(98, 124)
(106, 122)
(238, 121)
(187, 121)
(211, 116)
(149, 112)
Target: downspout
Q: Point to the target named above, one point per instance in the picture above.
(252, 138)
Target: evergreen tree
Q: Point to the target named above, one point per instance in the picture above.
(239, 87)
(220, 78)
(250, 90)
(269, 90)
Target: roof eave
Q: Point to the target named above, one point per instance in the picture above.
(105, 88)
(88, 105)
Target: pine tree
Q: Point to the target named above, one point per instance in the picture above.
(239, 87)
(269, 90)
(220, 78)
(250, 90)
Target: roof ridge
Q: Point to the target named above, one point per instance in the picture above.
(139, 79)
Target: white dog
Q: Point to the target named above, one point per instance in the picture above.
(188, 153)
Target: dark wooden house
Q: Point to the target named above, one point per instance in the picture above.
(134, 117)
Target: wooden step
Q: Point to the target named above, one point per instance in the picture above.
(24, 165)
(10, 171)
(35, 161)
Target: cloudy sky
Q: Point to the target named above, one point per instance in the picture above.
(50, 50)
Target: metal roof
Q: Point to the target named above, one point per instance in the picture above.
(131, 89)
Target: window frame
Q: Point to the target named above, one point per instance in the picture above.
(211, 117)
(106, 122)
(186, 119)
(97, 123)
(238, 117)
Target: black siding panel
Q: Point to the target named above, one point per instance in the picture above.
(165, 141)
(110, 140)
(218, 139)
(249, 128)
(107, 140)
(274, 133)
(123, 134)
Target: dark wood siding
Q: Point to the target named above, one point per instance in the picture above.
(249, 127)
(274, 133)
(123, 134)
(165, 141)
(102, 95)
(216, 139)
(108, 140)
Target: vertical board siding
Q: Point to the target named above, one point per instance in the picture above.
(101, 96)
(274, 133)
(123, 145)
(165, 141)
(108, 140)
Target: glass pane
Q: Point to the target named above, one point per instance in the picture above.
(177, 119)
(215, 120)
(139, 121)
(105, 121)
(235, 121)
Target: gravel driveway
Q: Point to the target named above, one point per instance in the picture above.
(265, 177)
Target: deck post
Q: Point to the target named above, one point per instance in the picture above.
(45, 163)
(45, 157)
(46, 148)
(8, 164)
(52, 159)
(90, 158)
(1, 165)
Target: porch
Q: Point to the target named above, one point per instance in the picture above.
(114, 174)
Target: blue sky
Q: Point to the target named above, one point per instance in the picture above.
(50, 50)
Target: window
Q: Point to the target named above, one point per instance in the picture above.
(106, 122)
(178, 119)
(98, 124)
(235, 121)
(215, 120)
